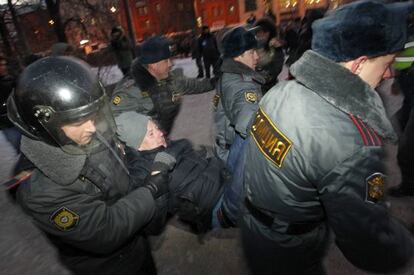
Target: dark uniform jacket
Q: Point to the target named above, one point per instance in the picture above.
(87, 207)
(238, 93)
(196, 181)
(166, 95)
(315, 156)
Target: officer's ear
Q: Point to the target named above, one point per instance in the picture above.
(356, 65)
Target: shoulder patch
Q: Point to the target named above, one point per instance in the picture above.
(116, 100)
(375, 187)
(271, 141)
(64, 219)
(144, 93)
(250, 96)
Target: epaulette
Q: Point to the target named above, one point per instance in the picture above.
(368, 135)
(18, 179)
(247, 78)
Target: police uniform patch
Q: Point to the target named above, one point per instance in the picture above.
(250, 97)
(375, 187)
(271, 141)
(176, 97)
(116, 100)
(64, 219)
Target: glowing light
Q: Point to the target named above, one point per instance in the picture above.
(51, 22)
(83, 41)
(112, 9)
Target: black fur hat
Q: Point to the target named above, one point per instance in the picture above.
(236, 41)
(155, 49)
(361, 28)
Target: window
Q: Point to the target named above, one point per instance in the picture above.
(143, 10)
(180, 6)
(158, 7)
(288, 4)
(231, 9)
(250, 5)
(146, 24)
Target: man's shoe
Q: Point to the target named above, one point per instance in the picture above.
(399, 191)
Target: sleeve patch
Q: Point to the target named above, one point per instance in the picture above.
(273, 144)
(64, 219)
(375, 187)
(250, 96)
(116, 100)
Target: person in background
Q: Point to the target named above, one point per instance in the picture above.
(196, 55)
(270, 52)
(207, 45)
(121, 47)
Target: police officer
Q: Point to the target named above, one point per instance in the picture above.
(314, 155)
(239, 92)
(79, 193)
(153, 76)
(239, 89)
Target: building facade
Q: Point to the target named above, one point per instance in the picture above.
(217, 13)
(152, 17)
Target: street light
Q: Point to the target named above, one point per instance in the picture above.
(51, 22)
(113, 9)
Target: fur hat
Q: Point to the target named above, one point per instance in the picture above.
(361, 28)
(131, 128)
(236, 41)
(155, 49)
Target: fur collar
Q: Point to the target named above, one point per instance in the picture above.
(54, 163)
(142, 77)
(231, 66)
(344, 90)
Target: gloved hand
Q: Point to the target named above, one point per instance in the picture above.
(163, 162)
(157, 184)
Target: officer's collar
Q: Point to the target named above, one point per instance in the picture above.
(143, 78)
(343, 89)
(231, 66)
(52, 161)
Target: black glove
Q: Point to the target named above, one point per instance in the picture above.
(163, 162)
(157, 184)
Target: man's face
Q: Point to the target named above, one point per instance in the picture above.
(80, 132)
(154, 138)
(375, 70)
(161, 69)
(248, 58)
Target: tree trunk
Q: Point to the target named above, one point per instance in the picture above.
(20, 34)
(53, 6)
(4, 33)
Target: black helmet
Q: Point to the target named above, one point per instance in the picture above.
(56, 91)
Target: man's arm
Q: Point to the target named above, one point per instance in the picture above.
(352, 194)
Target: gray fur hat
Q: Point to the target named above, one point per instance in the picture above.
(131, 128)
(361, 28)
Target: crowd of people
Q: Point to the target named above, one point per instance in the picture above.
(292, 162)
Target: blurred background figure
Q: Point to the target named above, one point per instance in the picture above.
(270, 52)
(405, 117)
(122, 49)
(251, 20)
(208, 49)
(196, 55)
(305, 34)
